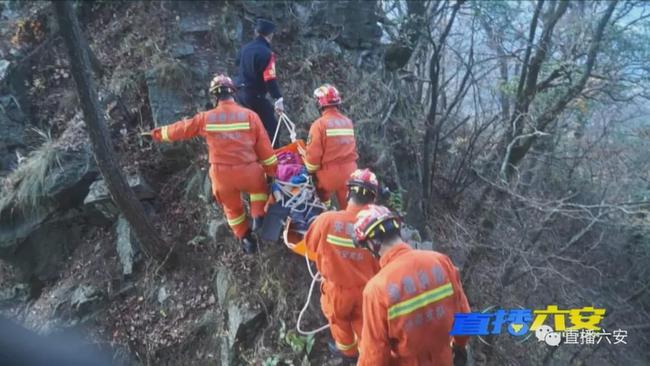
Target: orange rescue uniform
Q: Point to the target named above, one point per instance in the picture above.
(408, 310)
(345, 270)
(332, 154)
(240, 153)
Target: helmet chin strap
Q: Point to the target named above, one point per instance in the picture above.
(373, 246)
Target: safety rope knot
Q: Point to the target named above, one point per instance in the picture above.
(291, 127)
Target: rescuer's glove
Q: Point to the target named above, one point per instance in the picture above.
(279, 105)
(156, 134)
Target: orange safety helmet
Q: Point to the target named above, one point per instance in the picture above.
(370, 220)
(363, 179)
(327, 95)
(221, 84)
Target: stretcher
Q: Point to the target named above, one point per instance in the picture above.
(288, 197)
(291, 199)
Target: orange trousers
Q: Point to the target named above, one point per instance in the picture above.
(229, 182)
(332, 179)
(342, 308)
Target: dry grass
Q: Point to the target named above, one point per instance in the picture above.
(24, 187)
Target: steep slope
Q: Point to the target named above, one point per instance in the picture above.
(154, 63)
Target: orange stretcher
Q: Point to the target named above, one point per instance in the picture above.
(277, 215)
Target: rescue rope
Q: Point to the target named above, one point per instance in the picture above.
(291, 127)
(314, 278)
(306, 196)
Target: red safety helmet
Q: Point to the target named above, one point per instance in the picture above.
(327, 95)
(370, 220)
(221, 84)
(362, 180)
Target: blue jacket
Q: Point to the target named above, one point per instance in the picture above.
(256, 64)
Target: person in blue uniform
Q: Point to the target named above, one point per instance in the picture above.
(257, 76)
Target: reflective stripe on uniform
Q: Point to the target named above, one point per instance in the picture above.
(311, 167)
(339, 241)
(227, 127)
(270, 161)
(339, 132)
(346, 347)
(164, 133)
(237, 220)
(420, 301)
(256, 197)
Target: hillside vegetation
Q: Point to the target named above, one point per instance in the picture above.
(514, 137)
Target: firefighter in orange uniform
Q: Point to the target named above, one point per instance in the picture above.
(331, 148)
(240, 157)
(345, 269)
(409, 306)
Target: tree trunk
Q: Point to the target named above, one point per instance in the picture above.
(121, 192)
(432, 126)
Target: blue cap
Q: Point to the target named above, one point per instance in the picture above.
(264, 27)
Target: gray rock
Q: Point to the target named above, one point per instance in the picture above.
(182, 50)
(12, 136)
(85, 299)
(243, 321)
(237, 31)
(326, 47)
(425, 245)
(99, 191)
(163, 295)
(194, 23)
(177, 88)
(224, 285)
(99, 197)
(72, 305)
(43, 243)
(69, 180)
(302, 11)
(127, 245)
(13, 295)
(218, 229)
(411, 235)
(37, 238)
(4, 69)
(171, 92)
(206, 191)
(357, 21)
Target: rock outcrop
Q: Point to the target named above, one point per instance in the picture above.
(39, 228)
(99, 198)
(241, 320)
(12, 133)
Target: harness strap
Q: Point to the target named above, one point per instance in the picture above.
(291, 127)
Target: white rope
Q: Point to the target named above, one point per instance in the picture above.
(307, 196)
(291, 127)
(275, 135)
(314, 278)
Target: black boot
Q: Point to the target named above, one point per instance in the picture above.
(257, 224)
(248, 243)
(334, 351)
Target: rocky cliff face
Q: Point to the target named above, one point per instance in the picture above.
(72, 261)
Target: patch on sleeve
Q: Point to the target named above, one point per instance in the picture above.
(269, 71)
